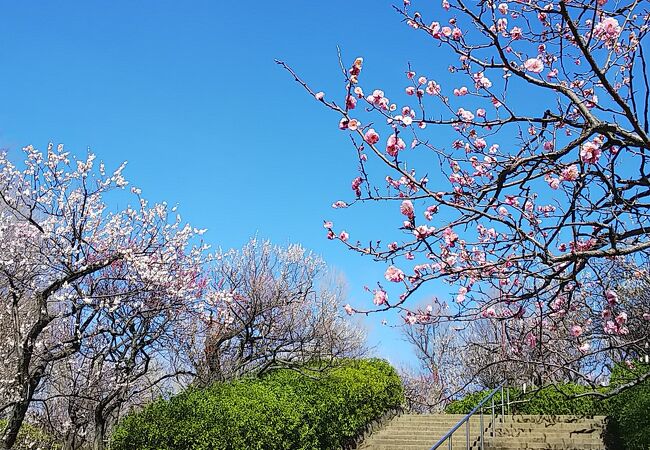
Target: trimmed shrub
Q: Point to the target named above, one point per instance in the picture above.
(282, 410)
(630, 410)
(549, 400)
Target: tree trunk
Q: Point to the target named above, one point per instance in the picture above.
(18, 411)
(100, 435)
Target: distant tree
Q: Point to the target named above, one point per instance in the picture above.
(78, 282)
(274, 307)
(441, 372)
(535, 180)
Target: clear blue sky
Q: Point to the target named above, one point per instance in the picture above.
(189, 94)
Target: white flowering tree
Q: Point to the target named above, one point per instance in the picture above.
(274, 307)
(534, 182)
(126, 360)
(68, 265)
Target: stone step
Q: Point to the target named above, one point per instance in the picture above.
(512, 432)
(550, 426)
(553, 419)
(544, 446)
(437, 434)
(424, 445)
(549, 439)
(411, 432)
(432, 428)
(431, 419)
(429, 432)
(473, 439)
(405, 447)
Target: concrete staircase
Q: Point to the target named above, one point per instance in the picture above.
(422, 431)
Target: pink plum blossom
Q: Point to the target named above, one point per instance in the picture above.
(465, 115)
(462, 292)
(590, 152)
(608, 30)
(450, 237)
(380, 297)
(534, 65)
(407, 209)
(570, 173)
(461, 92)
(423, 231)
(490, 312)
(433, 88)
(394, 274)
(394, 145)
(576, 330)
(430, 211)
(371, 136)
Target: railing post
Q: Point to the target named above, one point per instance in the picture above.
(480, 408)
(508, 397)
(481, 437)
(492, 421)
(503, 412)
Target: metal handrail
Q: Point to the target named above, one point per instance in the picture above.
(450, 433)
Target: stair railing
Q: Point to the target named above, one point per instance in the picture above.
(466, 420)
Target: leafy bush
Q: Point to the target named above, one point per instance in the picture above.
(282, 410)
(31, 437)
(466, 404)
(549, 400)
(630, 410)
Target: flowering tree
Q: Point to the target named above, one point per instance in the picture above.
(273, 307)
(535, 183)
(442, 373)
(125, 361)
(68, 265)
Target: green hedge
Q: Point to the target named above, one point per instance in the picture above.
(629, 411)
(549, 400)
(283, 410)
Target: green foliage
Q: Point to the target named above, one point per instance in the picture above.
(466, 404)
(561, 399)
(630, 410)
(282, 410)
(31, 437)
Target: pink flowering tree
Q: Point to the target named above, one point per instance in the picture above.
(69, 266)
(521, 182)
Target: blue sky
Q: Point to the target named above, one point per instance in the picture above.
(189, 95)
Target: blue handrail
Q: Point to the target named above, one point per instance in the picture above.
(471, 413)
